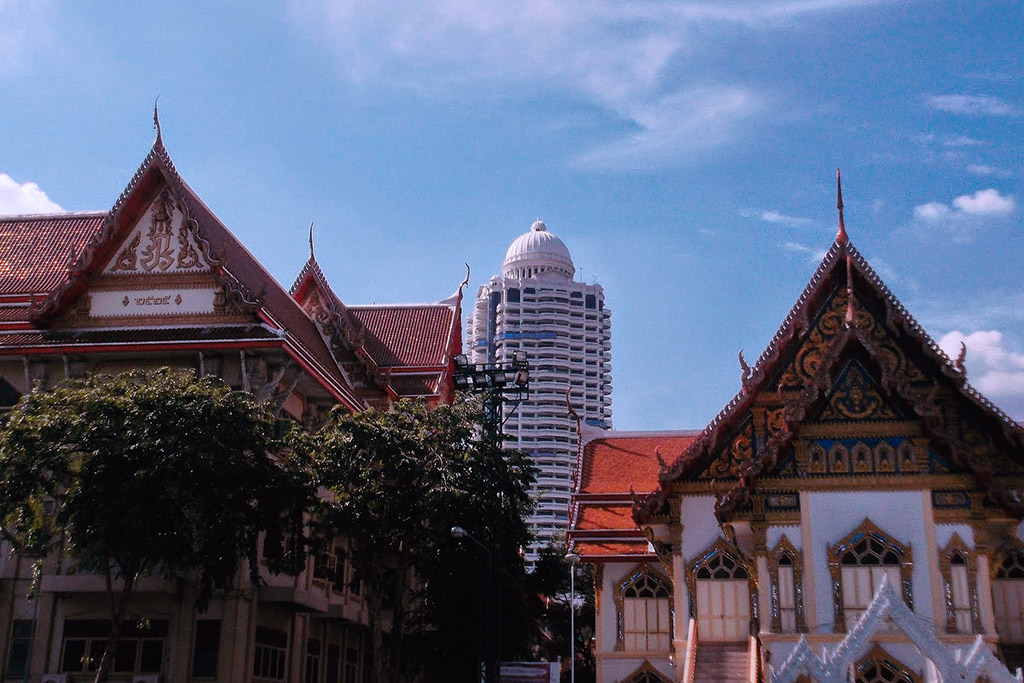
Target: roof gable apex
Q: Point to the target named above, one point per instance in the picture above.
(845, 297)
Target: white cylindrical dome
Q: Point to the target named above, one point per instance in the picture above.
(537, 253)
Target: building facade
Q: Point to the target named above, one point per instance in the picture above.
(159, 281)
(854, 455)
(562, 325)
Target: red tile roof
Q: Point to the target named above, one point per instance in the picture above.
(417, 335)
(605, 517)
(596, 550)
(618, 464)
(35, 251)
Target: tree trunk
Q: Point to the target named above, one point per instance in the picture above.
(118, 609)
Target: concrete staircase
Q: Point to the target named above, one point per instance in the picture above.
(721, 663)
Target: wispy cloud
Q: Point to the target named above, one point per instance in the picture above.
(25, 27)
(966, 213)
(772, 216)
(814, 255)
(985, 170)
(23, 198)
(993, 368)
(616, 54)
(973, 105)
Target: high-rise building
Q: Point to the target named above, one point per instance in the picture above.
(563, 326)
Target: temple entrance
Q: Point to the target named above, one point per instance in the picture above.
(722, 587)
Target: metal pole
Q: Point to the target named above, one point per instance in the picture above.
(572, 623)
(573, 559)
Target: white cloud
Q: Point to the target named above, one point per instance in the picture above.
(777, 218)
(813, 254)
(992, 368)
(985, 170)
(23, 198)
(985, 203)
(966, 214)
(616, 54)
(973, 105)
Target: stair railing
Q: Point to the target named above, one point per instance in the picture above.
(754, 660)
(690, 665)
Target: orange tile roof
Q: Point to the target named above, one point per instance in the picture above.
(605, 517)
(35, 251)
(609, 549)
(618, 464)
(408, 335)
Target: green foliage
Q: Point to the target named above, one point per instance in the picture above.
(400, 480)
(146, 472)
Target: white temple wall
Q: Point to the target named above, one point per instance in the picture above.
(792, 533)
(944, 533)
(833, 515)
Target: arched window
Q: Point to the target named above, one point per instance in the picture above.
(1008, 594)
(878, 666)
(786, 568)
(858, 564)
(960, 586)
(646, 674)
(645, 612)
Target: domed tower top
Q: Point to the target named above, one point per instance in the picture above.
(538, 253)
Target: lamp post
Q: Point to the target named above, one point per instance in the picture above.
(573, 559)
(489, 663)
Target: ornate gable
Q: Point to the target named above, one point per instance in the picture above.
(850, 386)
(150, 263)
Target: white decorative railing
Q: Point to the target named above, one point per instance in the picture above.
(833, 666)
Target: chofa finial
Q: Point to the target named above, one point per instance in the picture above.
(841, 236)
(311, 257)
(156, 119)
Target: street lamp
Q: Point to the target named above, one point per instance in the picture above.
(496, 381)
(488, 665)
(573, 559)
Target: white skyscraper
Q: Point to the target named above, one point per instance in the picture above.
(565, 330)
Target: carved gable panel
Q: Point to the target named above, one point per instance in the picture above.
(163, 242)
(856, 396)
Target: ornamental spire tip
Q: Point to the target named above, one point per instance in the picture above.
(156, 120)
(841, 236)
(311, 256)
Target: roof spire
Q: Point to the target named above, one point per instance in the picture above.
(156, 120)
(311, 257)
(841, 236)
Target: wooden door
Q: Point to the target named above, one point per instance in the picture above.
(723, 610)
(1008, 605)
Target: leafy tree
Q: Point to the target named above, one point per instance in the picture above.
(550, 577)
(399, 481)
(147, 473)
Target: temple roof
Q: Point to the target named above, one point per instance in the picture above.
(615, 466)
(36, 251)
(845, 276)
(48, 262)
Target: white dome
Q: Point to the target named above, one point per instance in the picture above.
(537, 253)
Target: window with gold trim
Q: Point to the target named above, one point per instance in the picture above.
(960, 587)
(645, 612)
(858, 564)
(878, 666)
(646, 674)
(1008, 594)
(786, 570)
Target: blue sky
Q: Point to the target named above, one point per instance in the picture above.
(684, 151)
